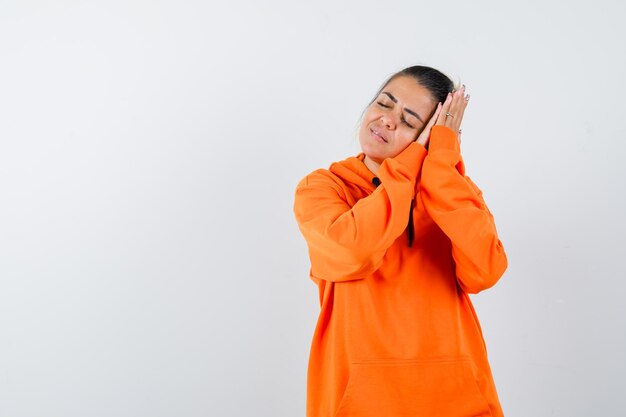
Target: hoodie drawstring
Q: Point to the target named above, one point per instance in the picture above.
(410, 230)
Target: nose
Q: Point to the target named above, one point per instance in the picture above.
(391, 117)
(386, 120)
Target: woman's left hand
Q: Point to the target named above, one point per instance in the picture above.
(454, 107)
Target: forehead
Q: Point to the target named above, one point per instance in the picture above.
(410, 94)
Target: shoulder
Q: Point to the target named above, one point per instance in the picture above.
(320, 176)
(318, 182)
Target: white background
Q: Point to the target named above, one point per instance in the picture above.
(150, 263)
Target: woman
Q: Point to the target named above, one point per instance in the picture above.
(397, 334)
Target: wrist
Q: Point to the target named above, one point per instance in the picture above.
(444, 137)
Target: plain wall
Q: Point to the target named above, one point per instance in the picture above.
(150, 262)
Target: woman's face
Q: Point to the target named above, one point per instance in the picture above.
(398, 114)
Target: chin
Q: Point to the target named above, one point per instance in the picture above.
(374, 150)
(374, 155)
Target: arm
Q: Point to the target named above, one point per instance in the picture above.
(456, 204)
(347, 243)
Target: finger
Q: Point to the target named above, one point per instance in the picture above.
(465, 97)
(457, 109)
(425, 134)
(444, 108)
(457, 102)
(435, 116)
(461, 104)
(466, 100)
(441, 120)
(451, 115)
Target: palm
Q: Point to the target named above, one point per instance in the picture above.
(455, 103)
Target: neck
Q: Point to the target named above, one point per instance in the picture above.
(371, 165)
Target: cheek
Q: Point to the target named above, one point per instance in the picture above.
(408, 136)
(370, 115)
(364, 128)
(362, 132)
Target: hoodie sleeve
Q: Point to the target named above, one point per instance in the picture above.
(347, 243)
(456, 204)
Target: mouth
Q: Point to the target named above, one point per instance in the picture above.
(378, 135)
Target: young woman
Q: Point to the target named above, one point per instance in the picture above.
(398, 236)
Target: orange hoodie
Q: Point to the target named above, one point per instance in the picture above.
(397, 334)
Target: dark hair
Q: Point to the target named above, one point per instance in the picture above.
(433, 80)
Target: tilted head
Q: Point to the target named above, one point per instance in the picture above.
(400, 110)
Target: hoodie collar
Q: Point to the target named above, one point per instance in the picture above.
(353, 170)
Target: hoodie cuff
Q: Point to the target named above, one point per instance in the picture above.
(444, 146)
(412, 157)
(442, 137)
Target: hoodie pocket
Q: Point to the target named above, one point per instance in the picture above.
(413, 387)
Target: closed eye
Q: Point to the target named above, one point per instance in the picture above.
(403, 120)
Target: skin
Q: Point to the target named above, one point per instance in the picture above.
(398, 126)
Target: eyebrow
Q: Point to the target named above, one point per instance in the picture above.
(395, 100)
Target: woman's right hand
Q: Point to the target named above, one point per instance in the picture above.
(455, 105)
(456, 102)
(423, 138)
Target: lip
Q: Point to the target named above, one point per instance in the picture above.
(379, 134)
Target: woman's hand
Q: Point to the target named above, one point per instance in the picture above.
(455, 105)
(452, 110)
(424, 136)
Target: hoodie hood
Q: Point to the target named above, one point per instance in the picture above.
(353, 172)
